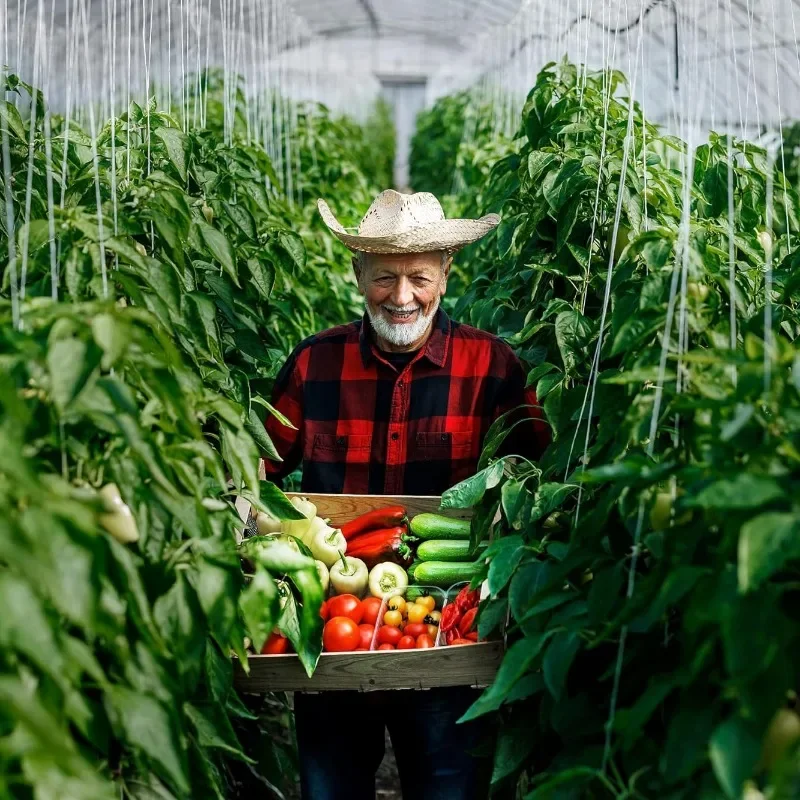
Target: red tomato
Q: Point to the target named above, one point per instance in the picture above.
(386, 646)
(346, 605)
(324, 611)
(407, 643)
(415, 629)
(468, 620)
(340, 634)
(472, 636)
(424, 641)
(461, 641)
(388, 635)
(371, 607)
(276, 644)
(366, 635)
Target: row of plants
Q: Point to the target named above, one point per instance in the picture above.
(152, 282)
(649, 561)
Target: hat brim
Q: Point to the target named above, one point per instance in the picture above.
(446, 234)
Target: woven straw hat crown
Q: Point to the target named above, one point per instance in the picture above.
(403, 223)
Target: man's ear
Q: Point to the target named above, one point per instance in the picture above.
(357, 269)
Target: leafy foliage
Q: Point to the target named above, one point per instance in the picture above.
(649, 559)
(143, 315)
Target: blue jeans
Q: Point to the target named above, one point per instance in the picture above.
(340, 739)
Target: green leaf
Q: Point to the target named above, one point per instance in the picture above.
(506, 553)
(213, 730)
(492, 615)
(147, 726)
(263, 275)
(200, 313)
(176, 143)
(275, 555)
(293, 245)
(469, 493)
(734, 750)
(516, 662)
(766, 543)
(260, 605)
(558, 659)
(71, 363)
(112, 335)
(538, 162)
(743, 491)
(255, 427)
(283, 419)
(515, 742)
(573, 332)
(273, 502)
(538, 372)
(220, 248)
(570, 778)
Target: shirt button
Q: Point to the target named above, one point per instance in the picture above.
(444, 437)
(341, 440)
(395, 436)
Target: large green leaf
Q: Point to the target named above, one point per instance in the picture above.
(176, 144)
(766, 543)
(259, 603)
(734, 750)
(469, 492)
(71, 363)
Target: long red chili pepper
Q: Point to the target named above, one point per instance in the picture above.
(374, 520)
(389, 544)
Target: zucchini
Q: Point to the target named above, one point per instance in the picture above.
(445, 573)
(435, 526)
(448, 550)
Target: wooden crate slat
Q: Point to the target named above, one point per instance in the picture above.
(465, 665)
(341, 508)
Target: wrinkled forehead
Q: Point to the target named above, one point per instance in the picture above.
(402, 263)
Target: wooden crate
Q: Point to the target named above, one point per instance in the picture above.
(467, 665)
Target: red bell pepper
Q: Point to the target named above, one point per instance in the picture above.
(389, 544)
(467, 621)
(466, 599)
(450, 617)
(374, 520)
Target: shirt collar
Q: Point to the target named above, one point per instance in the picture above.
(435, 349)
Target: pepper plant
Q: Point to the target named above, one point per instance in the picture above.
(649, 561)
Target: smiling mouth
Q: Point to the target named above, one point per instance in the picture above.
(400, 315)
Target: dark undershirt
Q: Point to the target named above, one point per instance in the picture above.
(399, 360)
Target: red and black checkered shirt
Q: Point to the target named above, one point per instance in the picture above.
(367, 427)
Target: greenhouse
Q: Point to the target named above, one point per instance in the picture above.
(400, 400)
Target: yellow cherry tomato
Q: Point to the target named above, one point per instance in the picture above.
(397, 603)
(432, 631)
(427, 601)
(392, 618)
(416, 612)
(434, 617)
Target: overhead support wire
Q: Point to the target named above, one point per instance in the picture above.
(371, 15)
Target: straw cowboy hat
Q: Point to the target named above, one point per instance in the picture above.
(408, 223)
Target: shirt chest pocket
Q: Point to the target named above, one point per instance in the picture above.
(443, 445)
(350, 448)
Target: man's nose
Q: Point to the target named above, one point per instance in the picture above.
(402, 295)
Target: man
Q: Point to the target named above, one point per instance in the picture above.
(396, 403)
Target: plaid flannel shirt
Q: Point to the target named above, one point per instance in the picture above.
(365, 427)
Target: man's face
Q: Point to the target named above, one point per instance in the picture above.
(402, 293)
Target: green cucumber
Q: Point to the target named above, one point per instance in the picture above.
(435, 526)
(448, 550)
(445, 573)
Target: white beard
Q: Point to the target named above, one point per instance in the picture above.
(398, 334)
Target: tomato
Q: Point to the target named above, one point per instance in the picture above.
(424, 641)
(461, 641)
(388, 634)
(397, 603)
(366, 635)
(340, 634)
(434, 618)
(386, 646)
(472, 636)
(324, 611)
(427, 601)
(346, 605)
(371, 607)
(468, 620)
(432, 631)
(416, 612)
(450, 617)
(415, 629)
(276, 644)
(393, 618)
(407, 643)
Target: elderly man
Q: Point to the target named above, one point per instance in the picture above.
(398, 402)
